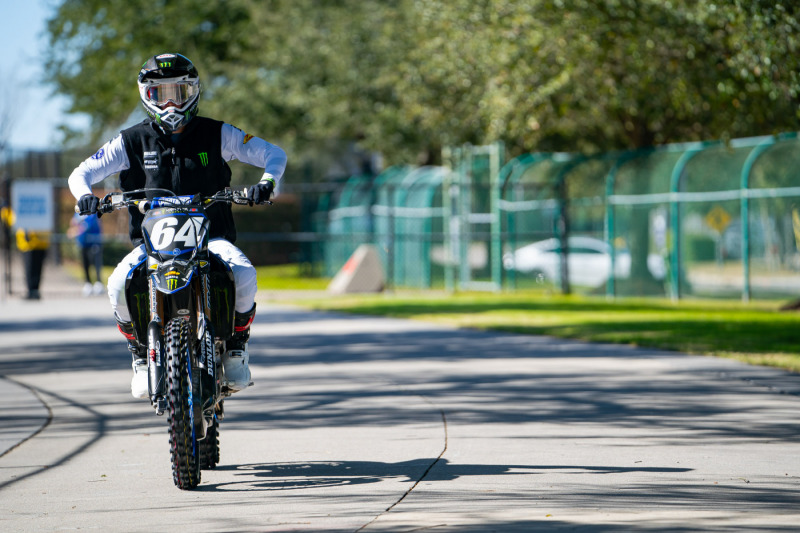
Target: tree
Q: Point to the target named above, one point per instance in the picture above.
(97, 47)
(413, 75)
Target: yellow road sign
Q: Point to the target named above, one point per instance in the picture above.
(718, 219)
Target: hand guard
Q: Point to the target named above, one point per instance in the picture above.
(261, 192)
(87, 204)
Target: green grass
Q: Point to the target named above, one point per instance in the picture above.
(757, 333)
(288, 278)
(281, 277)
(74, 269)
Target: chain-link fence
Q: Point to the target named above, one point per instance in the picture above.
(701, 219)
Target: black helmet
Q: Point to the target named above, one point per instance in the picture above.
(169, 79)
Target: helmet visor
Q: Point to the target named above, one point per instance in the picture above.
(177, 93)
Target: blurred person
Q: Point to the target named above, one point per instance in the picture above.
(33, 246)
(6, 221)
(86, 231)
(178, 150)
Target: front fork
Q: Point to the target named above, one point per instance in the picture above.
(156, 354)
(210, 380)
(157, 368)
(208, 357)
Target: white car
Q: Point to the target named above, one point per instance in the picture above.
(589, 261)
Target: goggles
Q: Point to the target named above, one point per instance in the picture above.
(177, 93)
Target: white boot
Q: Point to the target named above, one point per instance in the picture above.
(139, 381)
(236, 369)
(236, 360)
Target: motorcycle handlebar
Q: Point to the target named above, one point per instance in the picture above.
(113, 201)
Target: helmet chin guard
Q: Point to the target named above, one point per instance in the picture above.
(171, 120)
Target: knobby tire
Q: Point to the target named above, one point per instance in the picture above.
(184, 450)
(209, 447)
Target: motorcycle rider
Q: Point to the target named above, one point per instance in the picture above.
(178, 150)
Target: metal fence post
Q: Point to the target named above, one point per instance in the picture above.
(747, 168)
(390, 252)
(497, 155)
(675, 221)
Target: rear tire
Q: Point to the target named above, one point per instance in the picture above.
(184, 450)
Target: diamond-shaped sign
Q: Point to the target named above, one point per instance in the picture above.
(718, 218)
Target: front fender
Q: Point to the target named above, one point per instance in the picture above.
(171, 278)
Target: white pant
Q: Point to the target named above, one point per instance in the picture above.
(244, 276)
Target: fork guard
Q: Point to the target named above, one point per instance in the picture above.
(156, 363)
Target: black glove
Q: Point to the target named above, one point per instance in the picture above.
(87, 204)
(261, 192)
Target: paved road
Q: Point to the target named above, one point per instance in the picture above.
(385, 425)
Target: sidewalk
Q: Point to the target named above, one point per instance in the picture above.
(56, 283)
(25, 414)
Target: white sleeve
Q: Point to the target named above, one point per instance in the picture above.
(253, 151)
(109, 159)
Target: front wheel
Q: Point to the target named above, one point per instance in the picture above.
(184, 452)
(209, 446)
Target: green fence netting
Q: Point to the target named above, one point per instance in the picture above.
(706, 219)
(400, 212)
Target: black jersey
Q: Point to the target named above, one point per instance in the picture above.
(191, 164)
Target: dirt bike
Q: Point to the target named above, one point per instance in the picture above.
(181, 300)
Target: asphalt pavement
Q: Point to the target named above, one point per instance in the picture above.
(369, 424)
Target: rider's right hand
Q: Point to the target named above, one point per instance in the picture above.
(87, 204)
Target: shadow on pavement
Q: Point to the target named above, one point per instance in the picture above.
(724, 497)
(679, 405)
(679, 400)
(303, 475)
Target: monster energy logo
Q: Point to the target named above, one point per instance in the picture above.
(165, 64)
(172, 284)
(203, 158)
(141, 306)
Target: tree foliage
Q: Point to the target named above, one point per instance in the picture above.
(409, 76)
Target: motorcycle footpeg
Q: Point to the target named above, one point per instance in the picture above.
(160, 405)
(228, 391)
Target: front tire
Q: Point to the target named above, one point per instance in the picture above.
(209, 447)
(184, 450)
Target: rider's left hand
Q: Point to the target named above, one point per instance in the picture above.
(261, 192)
